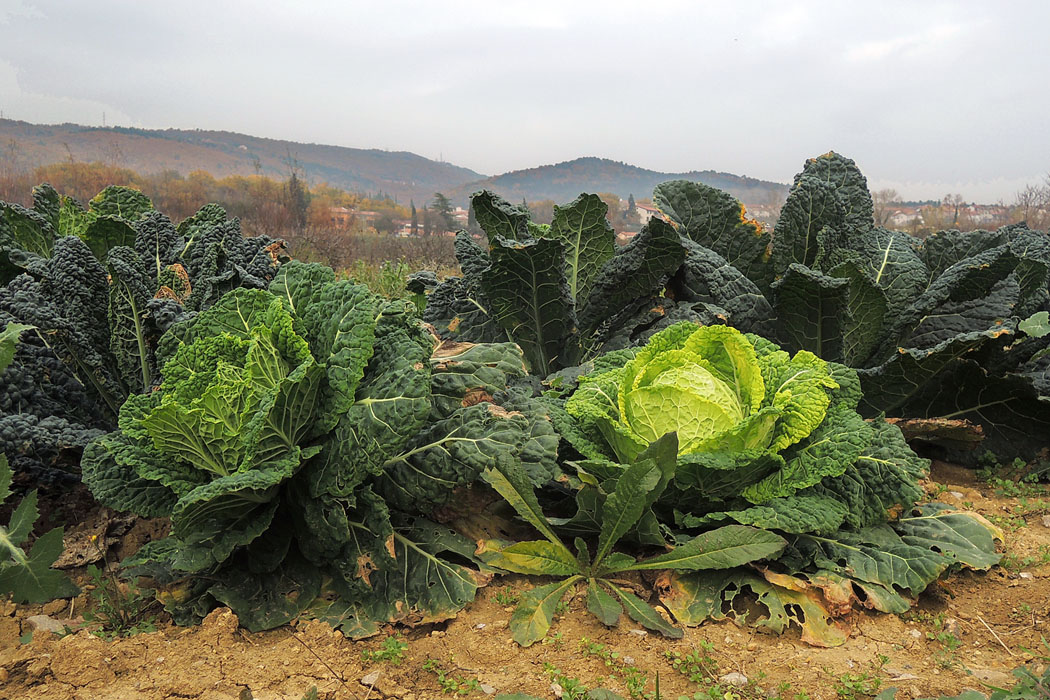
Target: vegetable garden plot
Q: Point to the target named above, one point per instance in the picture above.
(664, 407)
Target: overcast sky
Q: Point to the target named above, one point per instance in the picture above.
(927, 97)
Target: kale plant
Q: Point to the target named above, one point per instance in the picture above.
(561, 291)
(100, 286)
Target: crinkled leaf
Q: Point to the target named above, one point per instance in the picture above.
(849, 184)
(529, 296)
(705, 276)
(832, 448)
(717, 221)
(499, 218)
(881, 483)
(264, 601)
(811, 307)
(812, 205)
(638, 270)
(966, 538)
(589, 240)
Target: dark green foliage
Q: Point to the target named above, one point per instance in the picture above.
(931, 325)
(304, 435)
(27, 576)
(101, 285)
(559, 291)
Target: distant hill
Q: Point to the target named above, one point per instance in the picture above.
(397, 173)
(400, 174)
(564, 181)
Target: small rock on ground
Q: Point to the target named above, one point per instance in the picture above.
(46, 623)
(737, 680)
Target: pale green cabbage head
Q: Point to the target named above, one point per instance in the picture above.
(717, 388)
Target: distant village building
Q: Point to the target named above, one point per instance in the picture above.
(647, 213)
(905, 216)
(341, 216)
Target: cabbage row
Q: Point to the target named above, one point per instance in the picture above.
(668, 406)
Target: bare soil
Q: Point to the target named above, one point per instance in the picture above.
(994, 616)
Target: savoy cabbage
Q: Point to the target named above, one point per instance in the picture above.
(307, 434)
(772, 441)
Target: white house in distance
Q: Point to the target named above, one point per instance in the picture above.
(646, 213)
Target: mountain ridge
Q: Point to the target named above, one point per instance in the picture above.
(563, 181)
(400, 174)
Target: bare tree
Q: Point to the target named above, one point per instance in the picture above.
(882, 201)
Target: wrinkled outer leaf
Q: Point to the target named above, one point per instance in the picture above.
(832, 448)
(910, 373)
(812, 205)
(268, 600)
(391, 408)
(881, 483)
(450, 453)
(121, 202)
(110, 467)
(637, 270)
(707, 277)
(529, 296)
(106, 233)
(964, 537)
(810, 307)
(1013, 416)
(800, 513)
(341, 327)
(851, 187)
(717, 221)
(588, 237)
(230, 511)
(299, 284)
(878, 556)
(499, 218)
